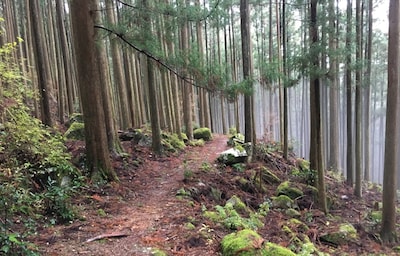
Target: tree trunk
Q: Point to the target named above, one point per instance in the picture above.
(42, 61)
(358, 104)
(316, 152)
(247, 69)
(367, 95)
(392, 136)
(350, 155)
(118, 75)
(83, 14)
(333, 92)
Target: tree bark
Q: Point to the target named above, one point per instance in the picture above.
(42, 61)
(349, 129)
(392, 136)
(247, 69)
(83, 14)
(316, 152)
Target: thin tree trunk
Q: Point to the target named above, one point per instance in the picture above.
(42, 61)
(316, 152)
(349, 169)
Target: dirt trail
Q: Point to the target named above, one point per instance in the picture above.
(142, 208)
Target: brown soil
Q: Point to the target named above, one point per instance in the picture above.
(142, 211)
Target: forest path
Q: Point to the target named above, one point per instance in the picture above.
(138, 214)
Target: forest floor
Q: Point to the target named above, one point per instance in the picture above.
(143, 213)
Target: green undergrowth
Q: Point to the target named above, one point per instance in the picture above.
(37, 178)
(235, 215)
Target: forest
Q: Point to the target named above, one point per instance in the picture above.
(109, 106)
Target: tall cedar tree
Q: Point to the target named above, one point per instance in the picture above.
(83, 15)
(316, 150)
(42, 61)
(247, 69)
(392, 136)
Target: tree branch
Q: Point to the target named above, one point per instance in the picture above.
(149, 55)
(170, 14)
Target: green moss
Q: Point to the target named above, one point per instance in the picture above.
(202, 133)
(375, 216)
(292, 213)
(76, 131)
(345, 233)
(184, 137)
(243, 243)
(238, 204)
(286, 188)
(269, 176)
(196, 143)
(248, 243)
(229, 217)
(303, 164)
(236, 139)
(172, 142)
(283, 202)
(190, 226)
(183, 192)
(271, 249)
(158, 252)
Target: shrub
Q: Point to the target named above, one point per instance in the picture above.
(202, 133)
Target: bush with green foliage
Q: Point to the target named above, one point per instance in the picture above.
(202, 133)
(33, 162)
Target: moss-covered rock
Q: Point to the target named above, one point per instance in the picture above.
(243, 243)
(303, 164)
(232, 156)
(271, 249)
(76, 131)
(172, 142)
(237, 204)
(268, 176)
(243, 183)
(286, 188)
(236, 139)
(196, 143)
(343, 234)
(282, 202)
(231, 218)
(248, 243)
(202, 133)
(292, 213)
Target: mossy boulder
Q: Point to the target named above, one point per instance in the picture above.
(236, 139)
(342, 234)
(248, 243)
(292, 213)
(231, 216)
(202, 133)
(196, 143)
(268, 176)
(244, 183)
(172, 142)
(282, 202)
(232, 156)
(303, 164)
(76, 131)
(286, 188)
(238, 204)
